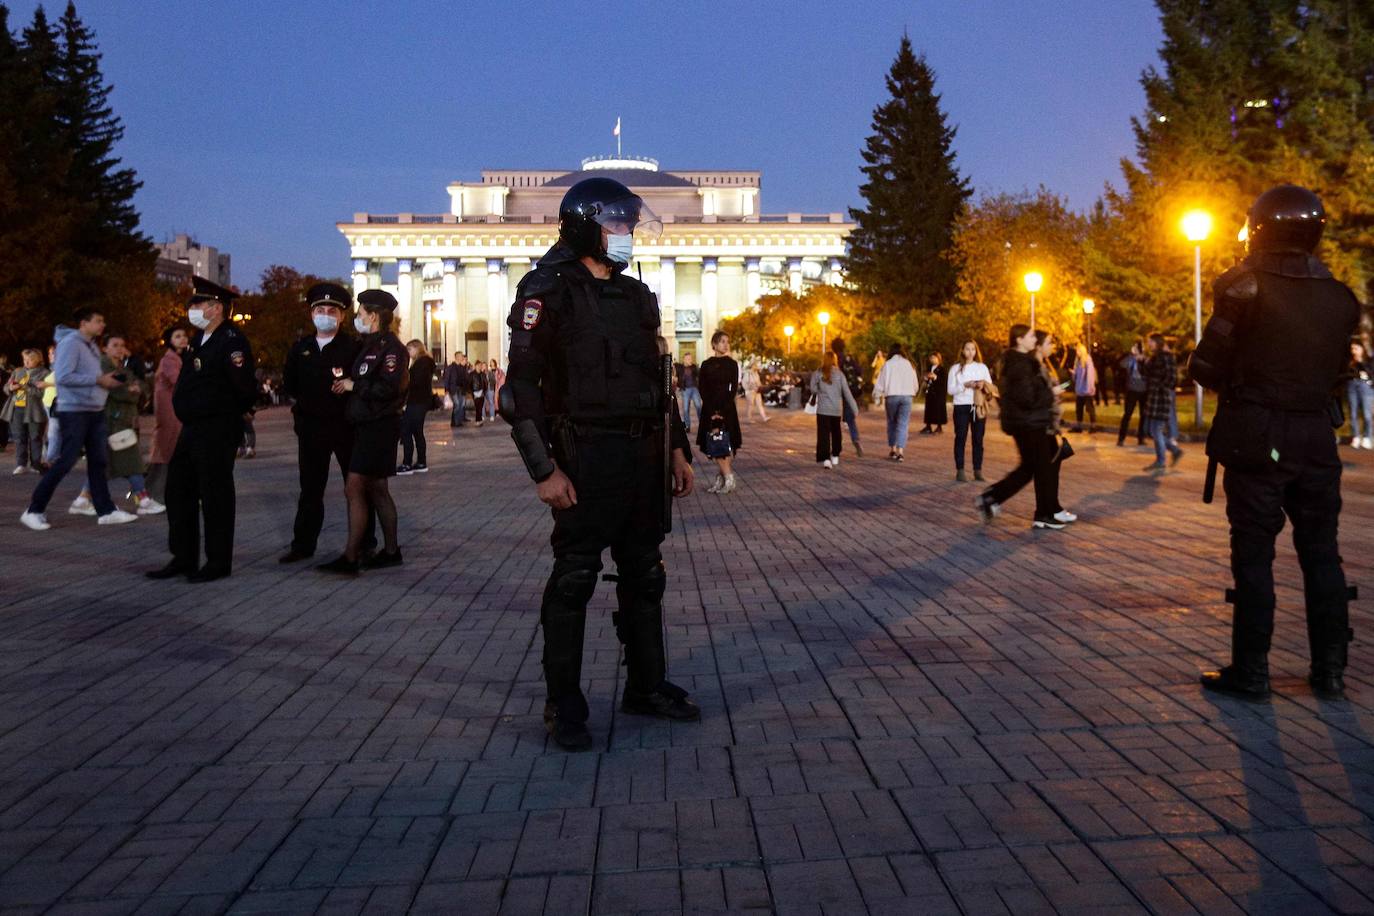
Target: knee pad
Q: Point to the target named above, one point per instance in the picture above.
(643, 580)
(574, 587)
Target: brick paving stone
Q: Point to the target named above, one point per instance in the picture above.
(904, 710)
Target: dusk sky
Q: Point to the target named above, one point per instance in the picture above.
(256, 125)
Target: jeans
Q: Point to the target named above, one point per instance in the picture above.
(829, 441)
(963, 421)
(1361, 396)
(853, 422)
(690, 396)
(54, 443)
(489, 407)
(413, 434)
(1165, 434)
(898, 408)
(79, 429)
(1134, 400)
(460, 409)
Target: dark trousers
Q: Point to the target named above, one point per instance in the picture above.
(964, 422)
(1134, 399)
(1305, 485)
(78, 430)
(200, 482)
(413, 433)
(619, 484)
(318, 441)
(829, 438)
(1081, 401)
(1036, 450)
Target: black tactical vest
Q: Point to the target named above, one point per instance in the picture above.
(608, 342)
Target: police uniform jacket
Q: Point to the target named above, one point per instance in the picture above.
(585, 349)
(310, 373)
(380, 378)
(217, 377)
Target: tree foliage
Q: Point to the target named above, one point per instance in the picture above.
(914, 194)
(68, 228)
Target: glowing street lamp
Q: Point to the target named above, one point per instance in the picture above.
(1033, 281)
(824, 319)
(787, 332)
(1197, 225)
(1089, 306)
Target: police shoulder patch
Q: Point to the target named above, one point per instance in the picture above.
(391, 362)
(531, 312)
(1239, 282)
(237, 359)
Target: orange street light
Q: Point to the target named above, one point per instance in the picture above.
(1197, 225)
(787, 332)
(1033, 280)
(824, 319)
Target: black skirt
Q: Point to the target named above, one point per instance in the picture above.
(374, 447)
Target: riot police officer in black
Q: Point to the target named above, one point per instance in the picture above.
(1274, 350)
(587, 414)
(323, 433)
(214, 392)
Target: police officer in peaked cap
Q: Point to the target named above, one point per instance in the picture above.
(323, 433)
(1275, 350)
(588, 413)
(213, 393)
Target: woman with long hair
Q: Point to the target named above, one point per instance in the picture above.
(1084, 387)
(377, 389)
(1360, 392)
(832, 394)
(166, 426)
(894, 388)
(968, 381)
(753, 395)
(937, 381)
(718, 435)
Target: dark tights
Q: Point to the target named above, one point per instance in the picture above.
(366, 493)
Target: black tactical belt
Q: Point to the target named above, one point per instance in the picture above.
(634, 429)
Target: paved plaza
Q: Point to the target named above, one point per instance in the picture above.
(905, 711)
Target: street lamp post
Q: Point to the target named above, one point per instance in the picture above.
(1089, 306)
(824, 319)
(1197, 225)
(787, 332)
(1033, 281)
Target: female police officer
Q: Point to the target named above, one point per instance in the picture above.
(377, 388)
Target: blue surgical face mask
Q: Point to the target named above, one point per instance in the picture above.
(620, 247)
(325, 324)
(197, 318)
(361, 324)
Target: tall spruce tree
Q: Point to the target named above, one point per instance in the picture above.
(899, 252)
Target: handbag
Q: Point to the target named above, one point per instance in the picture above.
(718, 443)
(1064, 452)
(811, 406)
(125, 438)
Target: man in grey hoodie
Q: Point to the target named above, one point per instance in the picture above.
(81, 392)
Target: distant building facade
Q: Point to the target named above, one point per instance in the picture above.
(174, 273)
(205, 261)
(456, 272)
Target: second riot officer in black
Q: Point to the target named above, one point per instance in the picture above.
(1274, 350)
(215, 390)
(323, 433)
(587, 410)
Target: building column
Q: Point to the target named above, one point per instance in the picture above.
(710, 302)
(836, 274)
(412, 319)
(498, 307)
(753, 282)
(359, 276)
(450, 306)
(794, 275)
(667, 285)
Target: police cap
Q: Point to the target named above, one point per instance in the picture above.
(329, 294)
(376, 299)
(202, 290)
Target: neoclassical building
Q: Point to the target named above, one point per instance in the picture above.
(455, 273)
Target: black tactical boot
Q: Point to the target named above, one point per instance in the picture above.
(569, 731)
(668, 701)
(1237, 681)
(1328, 667)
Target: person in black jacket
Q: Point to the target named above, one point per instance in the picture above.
(419, 399)
(1028, 417)
(313, 365)
(377, 387)
(215, 390)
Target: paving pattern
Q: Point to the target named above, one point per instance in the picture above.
(905, 711)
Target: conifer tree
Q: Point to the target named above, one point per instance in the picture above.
(899, 252)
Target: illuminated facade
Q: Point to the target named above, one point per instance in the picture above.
(455, 273)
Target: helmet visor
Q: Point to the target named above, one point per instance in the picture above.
(630, 216)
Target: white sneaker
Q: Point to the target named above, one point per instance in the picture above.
(835, 460)
(1356, 442)
(729, 486)
(827, 464)
(149, 506)
(117, 517)
(21, 469)
(720, 482)
(1368, 442)
(37, 521)
(1065, 516)
(81, 506)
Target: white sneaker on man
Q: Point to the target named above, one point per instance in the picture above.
(81, 506)
(36, 521)
(21, 469)
(1065, 516)
(117, 517)
(827, 464)
(149, 506)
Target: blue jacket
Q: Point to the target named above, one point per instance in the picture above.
(75, 368)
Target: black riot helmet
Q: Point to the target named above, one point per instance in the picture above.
(596, 203)
(1285, 218)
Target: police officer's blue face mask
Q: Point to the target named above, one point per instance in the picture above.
(325, 324)
(620, 247)
(361, 324)
(197, 318)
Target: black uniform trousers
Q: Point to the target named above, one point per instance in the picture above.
(318, 439)
(619, 484)
(1304, 484)
(200, 481)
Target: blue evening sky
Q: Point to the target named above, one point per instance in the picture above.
(256, 125)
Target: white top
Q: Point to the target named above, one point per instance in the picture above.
(959, 374)
(896, 379)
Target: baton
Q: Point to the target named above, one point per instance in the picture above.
(1209, 485)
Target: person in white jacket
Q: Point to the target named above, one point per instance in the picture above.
(968, 375)
(896, 386)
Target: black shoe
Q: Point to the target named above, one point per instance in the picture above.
(341, 566)
(570, 735)
(209, 573)
(1177, 457)
(420, 468)
(858, 450)
(295, 555)
(1120, 443)
(383, 559)
(1237, 683)
(1327, 686)
(404, 470)
(171, 571)
(985, 504)
(669, 701)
